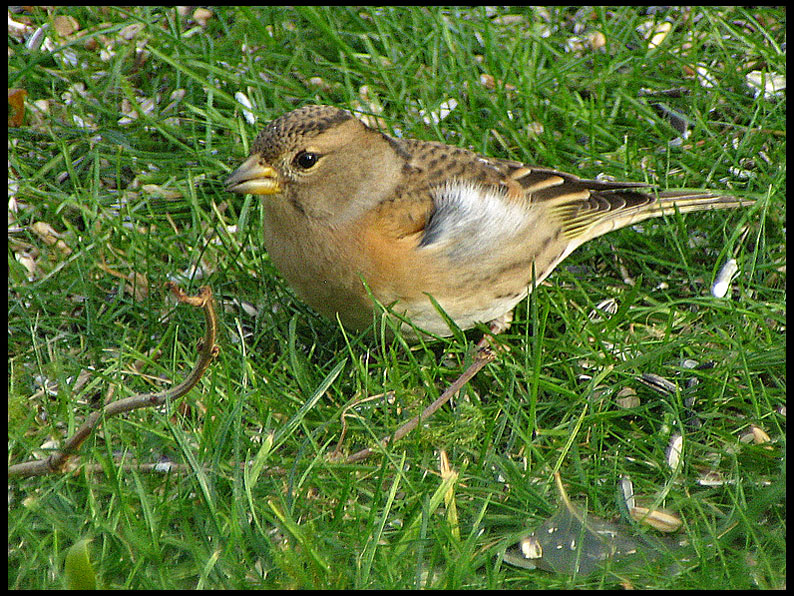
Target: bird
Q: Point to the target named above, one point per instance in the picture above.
(351, 213)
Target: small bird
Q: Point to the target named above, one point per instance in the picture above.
(347, 205)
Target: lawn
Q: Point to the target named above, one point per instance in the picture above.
(126, 123)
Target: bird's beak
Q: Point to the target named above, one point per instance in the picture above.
(252, 177)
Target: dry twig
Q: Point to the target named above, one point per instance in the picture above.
(56, 462)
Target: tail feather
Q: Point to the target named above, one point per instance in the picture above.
(603, 212)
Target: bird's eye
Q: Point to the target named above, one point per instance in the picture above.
(305, 159)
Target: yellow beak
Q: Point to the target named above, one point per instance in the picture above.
(252, 177)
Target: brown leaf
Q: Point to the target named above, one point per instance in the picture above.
(16, 99)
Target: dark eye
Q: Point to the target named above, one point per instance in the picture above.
(305, 159)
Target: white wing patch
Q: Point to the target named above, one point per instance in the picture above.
(470, 219)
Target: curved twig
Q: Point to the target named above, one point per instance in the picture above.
(56, 462)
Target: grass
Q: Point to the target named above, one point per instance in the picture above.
(137, 202)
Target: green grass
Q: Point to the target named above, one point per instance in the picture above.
(146, 199)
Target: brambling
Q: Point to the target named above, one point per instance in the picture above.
(347, 204)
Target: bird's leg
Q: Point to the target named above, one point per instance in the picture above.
(499, 325)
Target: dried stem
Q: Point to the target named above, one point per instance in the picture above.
(56, 462)
(483, 356)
